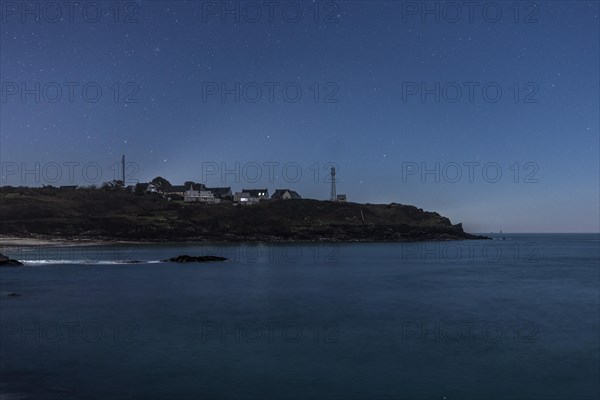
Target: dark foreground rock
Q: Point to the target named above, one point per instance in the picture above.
(190, 259)
(7, 262)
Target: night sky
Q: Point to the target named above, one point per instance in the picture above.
(380, 89)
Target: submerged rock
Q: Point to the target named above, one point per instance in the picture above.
(7, 262)
(189, 259)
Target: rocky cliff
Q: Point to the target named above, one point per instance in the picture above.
(118, 215)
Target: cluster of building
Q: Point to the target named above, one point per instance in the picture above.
(199, 193)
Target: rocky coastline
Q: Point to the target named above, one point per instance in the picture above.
(94, 216)
(8, 262)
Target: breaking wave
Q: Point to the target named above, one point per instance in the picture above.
(88, 262)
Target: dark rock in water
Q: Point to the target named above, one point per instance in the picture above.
(190, 259)
(12, 294)
(11, 263)
(133, 262)
(7, 262)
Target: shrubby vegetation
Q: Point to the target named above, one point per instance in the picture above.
(110, 213)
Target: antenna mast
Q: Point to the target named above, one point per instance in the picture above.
(333, 193)
(123, 168)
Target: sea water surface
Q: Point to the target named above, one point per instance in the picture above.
(500, 319)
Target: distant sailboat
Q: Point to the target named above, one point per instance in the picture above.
(500, 236)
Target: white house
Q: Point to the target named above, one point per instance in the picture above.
(245, 199)
(261, 194)
(151, 188)
(285, 194)
(200, 196)
(223, 193)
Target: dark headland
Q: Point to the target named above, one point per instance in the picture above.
(95, 214)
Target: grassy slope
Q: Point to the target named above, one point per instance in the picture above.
(120, 215)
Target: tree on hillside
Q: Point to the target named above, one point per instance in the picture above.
(139, 189)
(161, 184)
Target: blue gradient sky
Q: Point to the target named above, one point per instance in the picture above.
(366, 51)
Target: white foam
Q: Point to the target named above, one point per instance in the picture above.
(86, 262)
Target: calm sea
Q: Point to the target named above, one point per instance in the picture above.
(502, 319)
